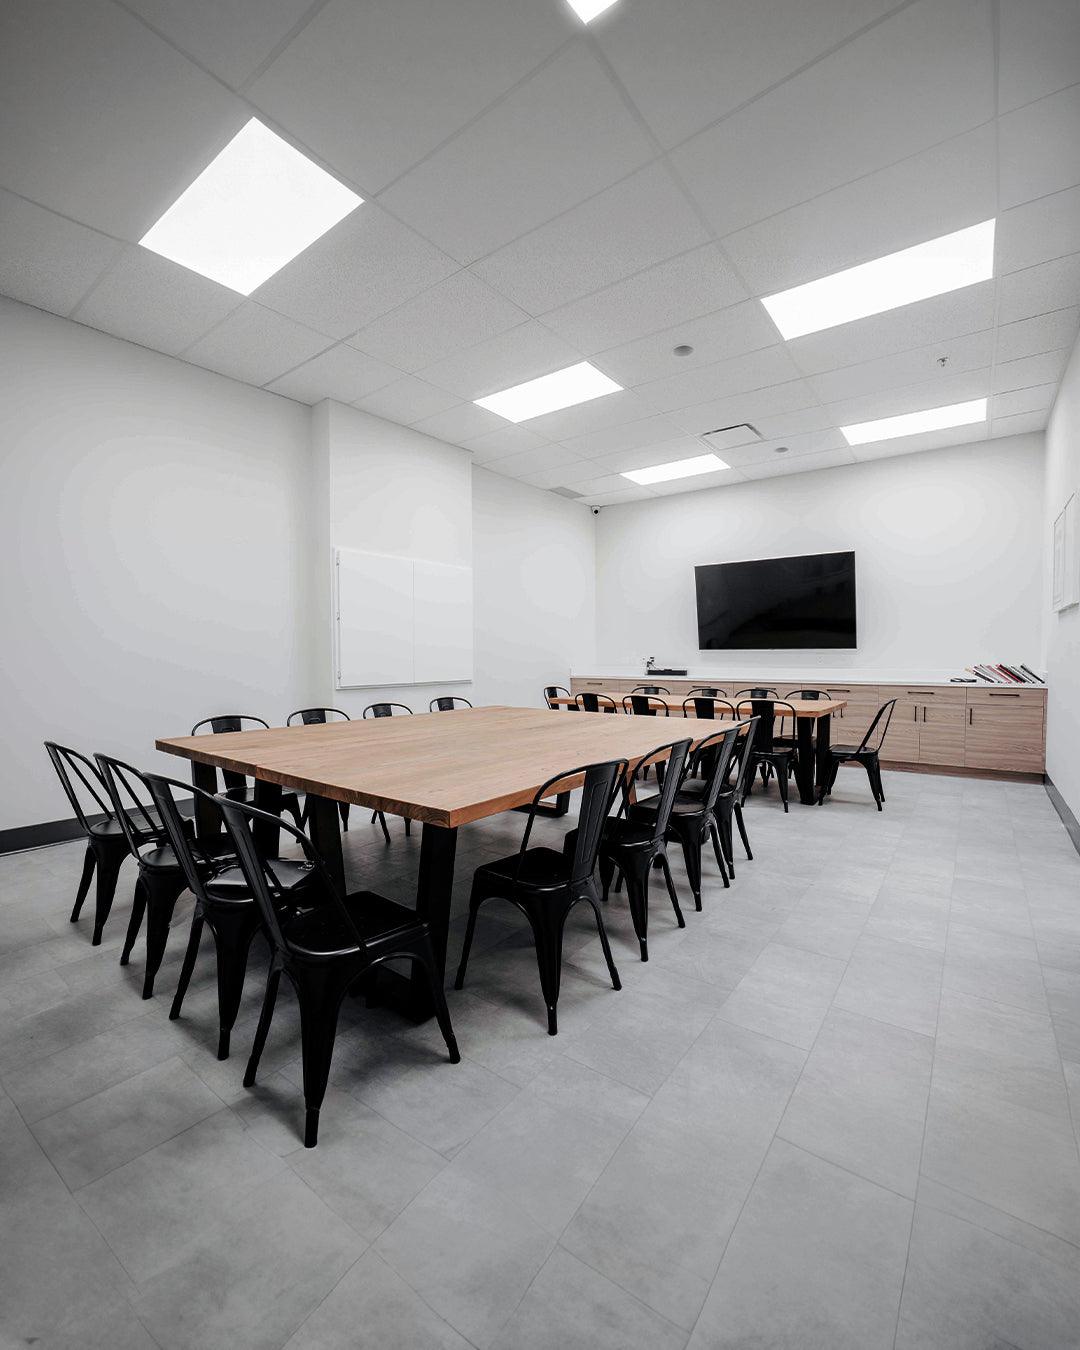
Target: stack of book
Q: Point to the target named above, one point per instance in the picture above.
(1002, 674)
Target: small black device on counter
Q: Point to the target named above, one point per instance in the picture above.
(662, 670)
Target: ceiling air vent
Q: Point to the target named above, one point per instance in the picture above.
(568, 492)
(727, 438)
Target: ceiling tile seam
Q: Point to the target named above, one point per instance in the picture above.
(106, 271)
(1043, 98)
(310, 14)
(247, 300)
(526, 317)
(927, 347)
(315, 357)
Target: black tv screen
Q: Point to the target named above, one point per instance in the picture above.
(777, 602)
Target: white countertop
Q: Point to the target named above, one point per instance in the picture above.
(794, 675)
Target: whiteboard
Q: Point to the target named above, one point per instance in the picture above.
(401, 620)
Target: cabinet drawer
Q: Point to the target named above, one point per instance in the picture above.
(925, 693)
(1028, 700)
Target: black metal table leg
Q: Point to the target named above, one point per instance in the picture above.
(822, 756)
(207, 817)
(434, 892)
(804, 768)
(268, 798)
(324, 828)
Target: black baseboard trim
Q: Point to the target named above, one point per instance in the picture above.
(1072, 825)
(58, 831)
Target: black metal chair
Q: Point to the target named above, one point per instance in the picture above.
(645, 705)
(317, 717)
(631, 847)
(867, 753)
(693, 816)
(545, 884)
(552, 692)
(705, 690)
(772, 753)
(706, 705)
(326, 950)
(106, 845)
(236, 785)
(161, 877)
(387, 710)
(757, 691)
(649, 689)
(730, 799)
(590, 702)
(447, 703)
(809, 694)
(223, 903)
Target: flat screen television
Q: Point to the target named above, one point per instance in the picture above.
(775, 603)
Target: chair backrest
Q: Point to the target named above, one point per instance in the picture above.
(266, 890)
(886, 711)
(162, 795)
(707, 706)
(447, 703)
(758, 691)
(645, 705)
(79, 774)
(808, 694)
(386, 709)
(706, 690)
(649, 689)
(742, 755)
(590, 702)
(675, 758)
(767, 710)
(599, 788)
(552, 692)
(715, 753)
(128, 792)
(315, 717)
(228, 722)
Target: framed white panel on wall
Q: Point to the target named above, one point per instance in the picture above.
(401, 621)
(1065, 570)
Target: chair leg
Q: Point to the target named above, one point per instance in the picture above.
(737, 811)
(636, 866)
(426, 960)
(724, 826)
(232, 938)
(613, 973)
(607, 871)
(782, 771)
(265, 1018)
(691, 849)
(547, 929)
(718, 853)
(470, 929)
(188, 967)
(343, 812)
(378, 816)
(109, 861)
(408, 827)
(162, 893)
(319, 994)
(138, 909)
(672, 893)
(84, 882)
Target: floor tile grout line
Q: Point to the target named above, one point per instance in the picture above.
(1005, 1214)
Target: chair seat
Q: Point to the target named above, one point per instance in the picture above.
(112, 829)
(229, 884)
(541, 869)
(321, 931)
(159, 859)
(690, 804)
(618, 833)
(848, 751)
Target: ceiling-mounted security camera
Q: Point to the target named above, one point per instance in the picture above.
(596, 510)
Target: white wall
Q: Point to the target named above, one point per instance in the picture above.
(948, 556)
(1063, 629)
(154, 530)
(534, 565)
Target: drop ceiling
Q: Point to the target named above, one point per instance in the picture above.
(538, 193)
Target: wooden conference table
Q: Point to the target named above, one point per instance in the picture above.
(811, 715)
(442, 769)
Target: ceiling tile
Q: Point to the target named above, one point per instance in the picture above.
(103, 120)
(763, 452)
(537, 459)
(925, 74)
(1040, 49)
(714, 337)
(974, 352)
(914, 445)
(255, 345)
(610, 410)
(687, 64)
(521, 354)
(1046, 368)
(460, 424)
(1044, 333)
(938, 393)
(363, 267)
(945, 188)
(507, 440)
(698, 282)
(559, 137)
(46, 260)
(603, 483)
(613, 235)
(407, 400)
(756, 407)
(804, 421)
(1038, 231)
(739, 374)
(1036, 290)
(628, 436)
(458, 312)
(374, 87)
(562, 475)
(718, 478)
(631, 492)
(780, 466)
(1040, 147)
(232, 38)
(1036, 398)
(1019, 424)
(341, 373)
(645, 456)
(157, 303)
(940, 319)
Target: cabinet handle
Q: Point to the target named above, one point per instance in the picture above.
(971, 719)
(1004, 695)
(915, 710)
(924, 713)
(923, 693)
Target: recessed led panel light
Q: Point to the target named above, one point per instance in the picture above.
(679, 468)
(549, 393)
(587, 10)
(940, 265)
(910, 424)
(250, 211)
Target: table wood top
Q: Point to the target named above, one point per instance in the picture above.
(804, 707)
(445, 768)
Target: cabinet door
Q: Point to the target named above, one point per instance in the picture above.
(1004, 735)
(901, 743)
(941, 733)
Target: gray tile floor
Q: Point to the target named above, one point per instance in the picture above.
(839, 1109)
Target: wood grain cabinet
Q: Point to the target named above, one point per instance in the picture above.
(1005, 730)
